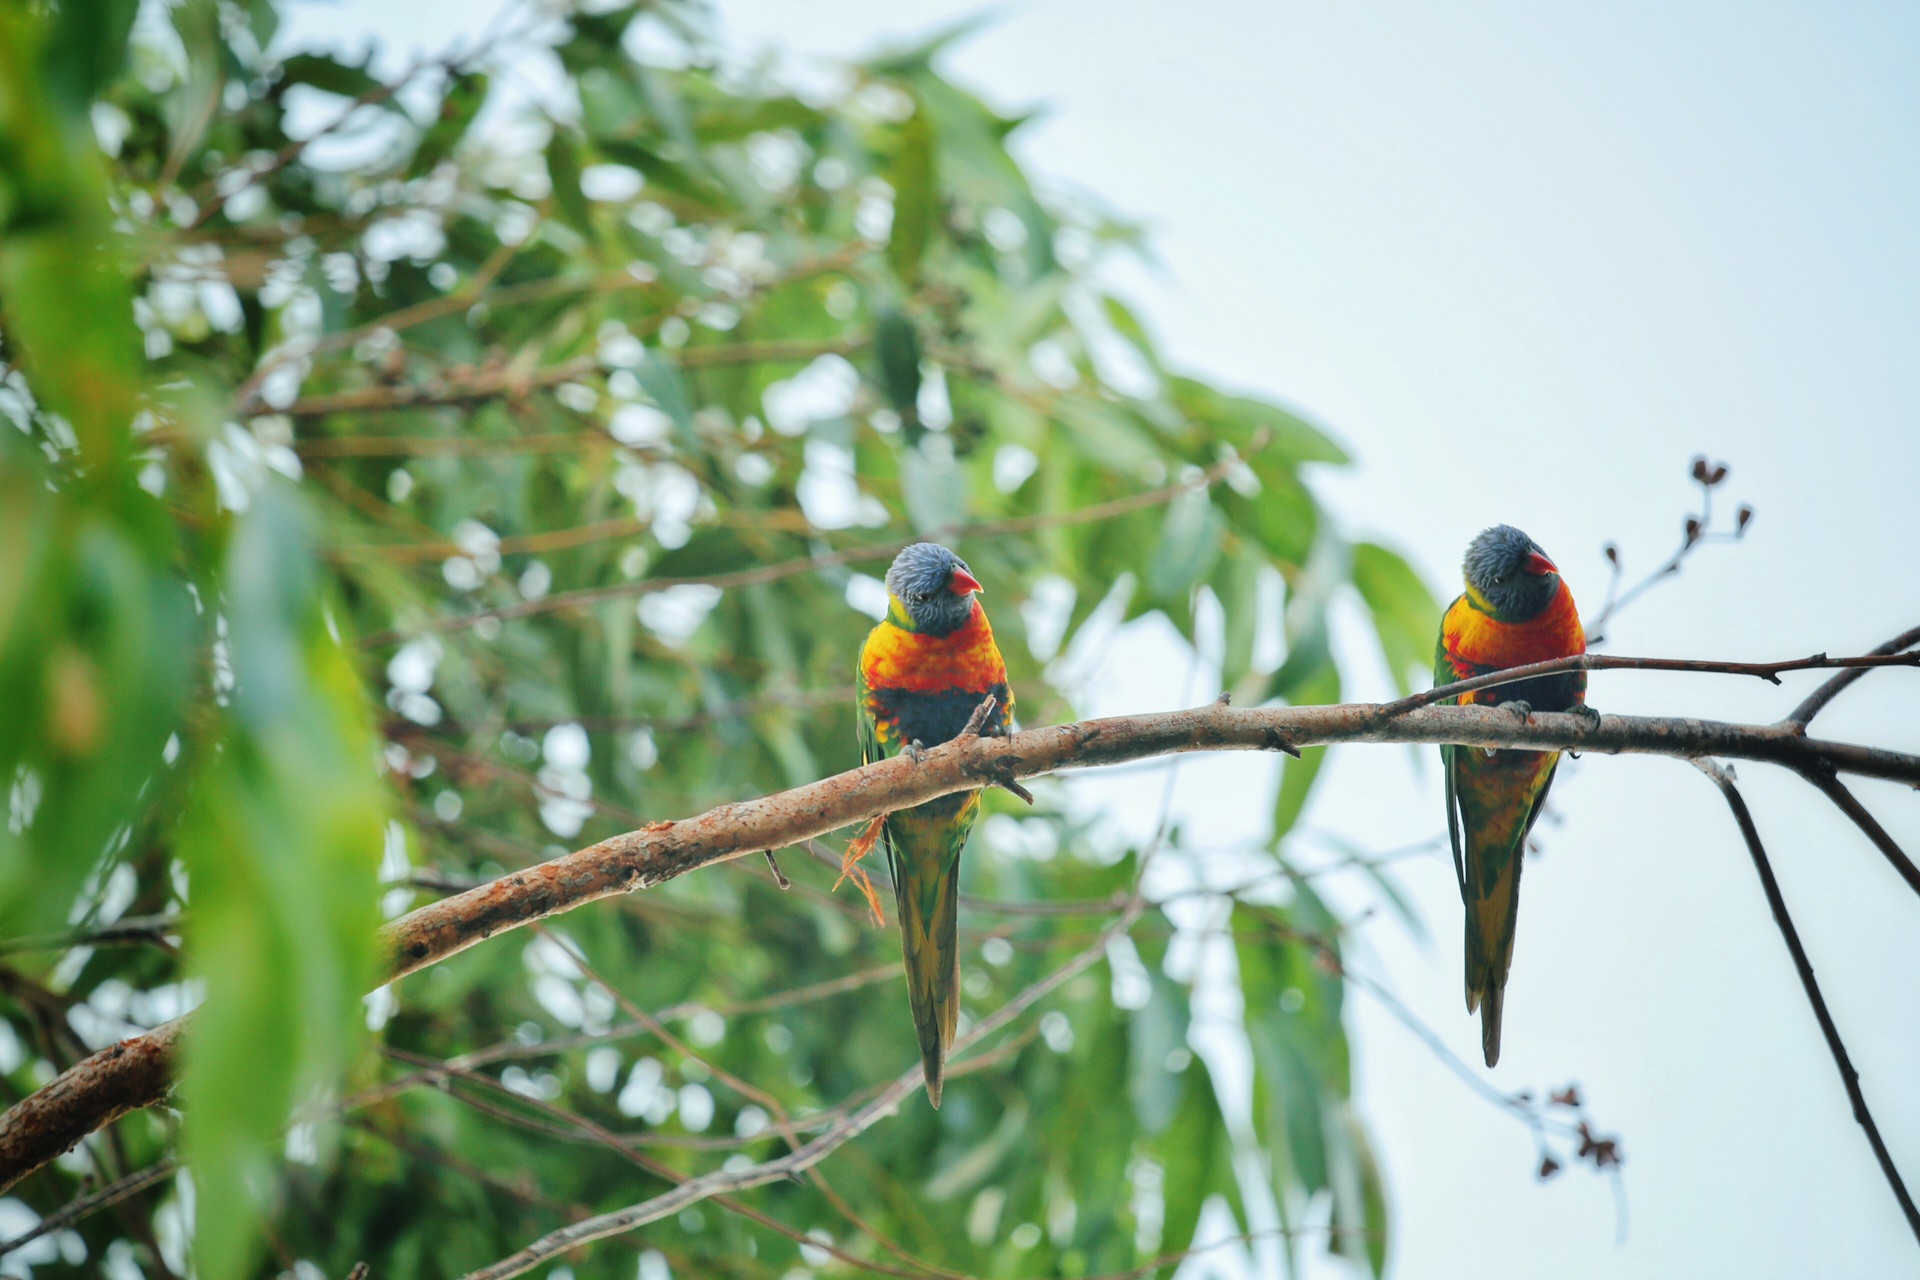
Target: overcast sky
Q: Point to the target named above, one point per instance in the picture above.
(1526, 261)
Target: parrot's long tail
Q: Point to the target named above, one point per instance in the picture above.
(928, 898)
(1490, 929)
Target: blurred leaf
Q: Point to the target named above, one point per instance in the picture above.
(282, 841)
(934, 489)
(1154, 1033)
(916, 196)
(563, 167)
(1189, 544)
(1309, 594)
(325, 72)
(87, 49)
(1297, 777)
(466, 93)
(1406, 617)
(1291, 439)
(896, 347)
(1196, 1155)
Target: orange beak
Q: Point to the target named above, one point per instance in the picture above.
(1539, 566)
(963, 583)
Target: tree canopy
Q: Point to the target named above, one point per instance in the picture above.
(407, 479)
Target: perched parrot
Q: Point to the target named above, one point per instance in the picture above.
(923, 672)
(1515, 611)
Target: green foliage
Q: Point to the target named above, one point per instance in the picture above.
(411, 488)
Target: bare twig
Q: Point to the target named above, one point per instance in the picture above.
(94, 1201)
(1791, 936)
(1845, 800)
(1696, 531)
(1768, 671)
(126, 931)
(1819, 698)
(136, 1072)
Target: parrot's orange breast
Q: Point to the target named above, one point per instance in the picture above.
(966, 659)
(1477, 642)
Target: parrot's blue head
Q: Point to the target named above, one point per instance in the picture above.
(1510, 572)
(933, 586)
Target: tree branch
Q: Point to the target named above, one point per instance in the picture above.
(1768, 671)
(136, 1072)
(88, 1096)
(851, 555)
(1848, 1076)
(1846, 802)
(92, 1202)
(1819, 698)
(472, 385)
(797, 1162)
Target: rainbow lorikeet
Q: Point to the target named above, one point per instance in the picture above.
(1515, 611)
(923, 671)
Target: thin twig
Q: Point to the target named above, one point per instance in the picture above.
(1696, 531)
(1848, 804)
(94, 1201)
(126, 931)
(1849, 1077)
(1768, 671)
(1819, 698)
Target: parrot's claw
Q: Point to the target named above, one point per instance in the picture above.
(977, 722)
(1586, 713)
(857, 848)
(915, 750)
(1520, 708)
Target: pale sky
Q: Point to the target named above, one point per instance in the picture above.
(1526, 261)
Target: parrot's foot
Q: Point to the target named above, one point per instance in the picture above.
(1519, 707)
(915, 750)
(1586, 713)
(857, 848)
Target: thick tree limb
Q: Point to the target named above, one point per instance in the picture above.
(87, 1096)
(136, 1072)
(1848, 1076)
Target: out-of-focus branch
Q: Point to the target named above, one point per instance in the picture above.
(806, 1157)
(136, 1072)
(472, 385)
(87, 1096)
(124, 932)
(94, 1201)
(851, 555)
(1849, 1077)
